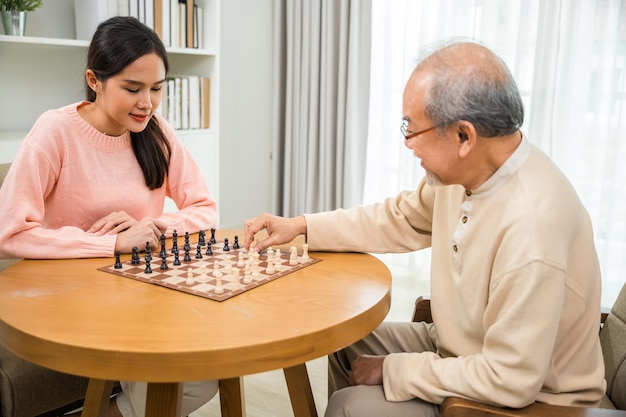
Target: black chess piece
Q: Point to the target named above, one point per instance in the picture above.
(201, 238)
(213, 240)
(236, 242)
(134, 259)
(209, 250)
(174, 241)
(118, 262)
(148, 269)
(148, 252)
(226, 247)
(187, 258)
(199, 251)
(164, 262)
(176, 258)
(163, 249)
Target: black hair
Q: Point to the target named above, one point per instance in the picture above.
(117, 43)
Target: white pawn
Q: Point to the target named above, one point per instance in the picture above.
(240, 262)
(270, 267)
(293, 255)
(218, 286)
(190, 279)
(216, 269)
(305, 252)
(203, 274)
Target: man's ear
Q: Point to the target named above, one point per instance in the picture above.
(467, 137)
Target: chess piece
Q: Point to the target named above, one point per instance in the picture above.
(190, 280)
(134, 258)
(176, 257)
(203, 274)
(209, 250)
(163, 250)
(201, 238)
(226, 247)
(187, 258)
(148, 255)
(270, 269)
(148, 269)
(293, 255)
(118, 262)
(212, 240)
(305, 253)
(236, 242)
(174, 241)
(218, 286)
(164, 261)
(216, 269)
(199, 251)
(240, 261)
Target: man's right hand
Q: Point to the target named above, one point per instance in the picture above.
(280, 230)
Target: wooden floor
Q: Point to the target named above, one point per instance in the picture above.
(266, 393)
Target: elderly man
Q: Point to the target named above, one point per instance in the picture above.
(515, 280)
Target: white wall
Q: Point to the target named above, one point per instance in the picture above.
(246, 109)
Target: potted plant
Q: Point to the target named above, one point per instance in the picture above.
(13, 13)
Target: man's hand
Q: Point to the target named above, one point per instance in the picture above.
(280, 230)
(367, 370)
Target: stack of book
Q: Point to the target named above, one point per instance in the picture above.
(179, 23)
(185, 102)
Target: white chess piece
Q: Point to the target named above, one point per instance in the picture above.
(305, 253)
(190, 279)
(240, 262)
(216, 268)
(218, 286)
(203, 274)
(270, 267)
(293, 255)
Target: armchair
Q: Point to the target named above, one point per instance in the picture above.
(27, 389)
(613, 341)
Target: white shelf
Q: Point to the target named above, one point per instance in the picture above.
(46, 71)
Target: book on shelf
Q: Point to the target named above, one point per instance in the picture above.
(179, 23)
(186, 102)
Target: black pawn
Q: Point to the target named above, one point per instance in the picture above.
(226, 247)
(176, 258)
(164, 262)
(134, 259)
(187, 258)
(118, 262)
(236, 242)
(199, 251)
(209, 250)
(213, 241)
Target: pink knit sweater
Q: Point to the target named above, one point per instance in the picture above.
(67, 175)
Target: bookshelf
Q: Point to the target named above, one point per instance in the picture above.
(45, 70)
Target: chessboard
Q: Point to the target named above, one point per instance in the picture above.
(209, 268)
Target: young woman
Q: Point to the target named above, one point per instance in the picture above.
(91, 178)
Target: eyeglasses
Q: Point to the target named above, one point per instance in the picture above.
(408, 135)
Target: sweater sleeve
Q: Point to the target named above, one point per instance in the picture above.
(197, 210)
(399, 224)
(29, 182)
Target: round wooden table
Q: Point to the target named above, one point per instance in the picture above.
(69, 316)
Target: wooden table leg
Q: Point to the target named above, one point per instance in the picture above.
(97, 398)
(300, 392)
(232, 399)
(164, 399)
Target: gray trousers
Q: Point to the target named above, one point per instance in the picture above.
(369, 400)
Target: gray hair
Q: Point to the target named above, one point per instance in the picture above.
(472, 83)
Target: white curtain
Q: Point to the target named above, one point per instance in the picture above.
(324, 58)
(568, 57)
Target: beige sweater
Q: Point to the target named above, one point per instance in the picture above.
(515, 285)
